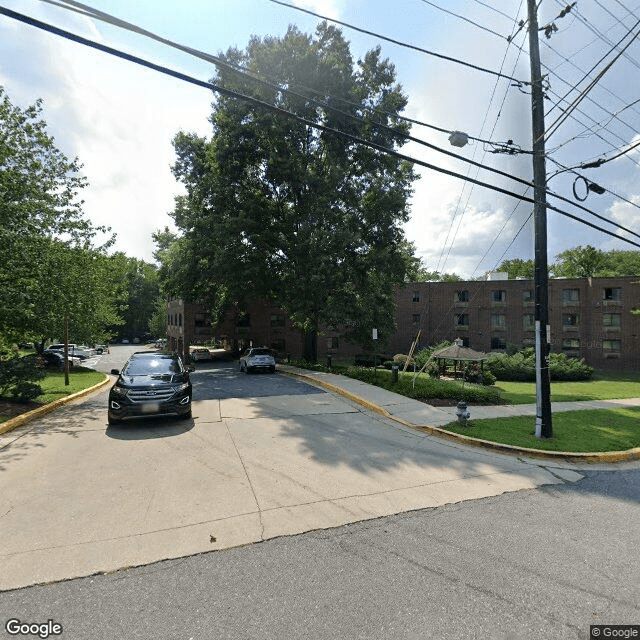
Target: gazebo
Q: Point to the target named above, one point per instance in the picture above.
(458, 353)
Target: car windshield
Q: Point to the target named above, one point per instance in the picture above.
(151, 366)
(260, 352)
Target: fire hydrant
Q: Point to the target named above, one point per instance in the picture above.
(462, 413)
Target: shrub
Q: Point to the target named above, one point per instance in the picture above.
(522, 366)
(426, 388)
(17, 376)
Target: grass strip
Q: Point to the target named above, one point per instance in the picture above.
(80, 378)
(585, 431)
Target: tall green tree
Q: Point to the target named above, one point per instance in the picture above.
(49, 266)
(518, 268)
(580, 262)
(277, 209)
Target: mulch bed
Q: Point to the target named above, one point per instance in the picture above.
(440, 402)
(10, 409)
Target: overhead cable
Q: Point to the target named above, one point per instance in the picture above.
(290, 115)
(403, 44)
(86, 10)
(556, 124)
(456, 15)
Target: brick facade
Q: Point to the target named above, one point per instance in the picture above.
(590, 318)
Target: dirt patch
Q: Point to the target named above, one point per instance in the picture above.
(440, 402)
(10, 409)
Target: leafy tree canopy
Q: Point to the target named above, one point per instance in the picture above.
(517, 268)
(278, 210)
(585, 262)
(49, 267)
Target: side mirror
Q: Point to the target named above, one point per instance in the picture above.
(115, 372)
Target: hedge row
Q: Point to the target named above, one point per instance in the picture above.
(522, 366)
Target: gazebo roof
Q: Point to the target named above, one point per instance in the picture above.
(457, 352)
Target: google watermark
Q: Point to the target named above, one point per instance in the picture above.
(625, 631)
(15, 627)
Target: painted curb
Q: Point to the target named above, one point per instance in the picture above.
(23, 418)
(571, 456)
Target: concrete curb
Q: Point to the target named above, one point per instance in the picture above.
(18, 421)
(602, 456)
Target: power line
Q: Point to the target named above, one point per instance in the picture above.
(509, 41)
(402, 44)
(284, 113)
(598, 163)
(554, 127)
(265, 80)
(456, 15)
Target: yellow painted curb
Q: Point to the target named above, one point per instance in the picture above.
(18, 421)
(602, 456)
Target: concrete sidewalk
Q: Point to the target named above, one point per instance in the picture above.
(416, 414)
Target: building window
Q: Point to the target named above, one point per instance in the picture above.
(571, 295)
(499, 296)
(416, 296)
(200, 320)
(461, 296)
(611, 320)
(415, 318)
(498, 343)
(570, 319)
(528, 322)
(527, 295)
(465, 341)
(498, 321)
(179, 319)
(462, 320)
(570, 344)
(277, 320)
(612, 293)
(611, 345)
(332, 343)
(244, 320)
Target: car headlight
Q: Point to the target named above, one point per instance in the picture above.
(119, 391)
(183, 386)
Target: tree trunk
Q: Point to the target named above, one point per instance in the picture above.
(310, 345)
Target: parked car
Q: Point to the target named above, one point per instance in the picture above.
(257, 358)
(52, 358)
(150, 384)
(101, 348)
(125, 341)
(200, 353)
(55, 358)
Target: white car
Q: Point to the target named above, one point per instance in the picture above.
(201, 353)
(257, 358)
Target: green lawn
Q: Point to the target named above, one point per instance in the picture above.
(576, 431)
(53, 386)
(605, 385)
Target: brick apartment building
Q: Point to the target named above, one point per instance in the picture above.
(593, 318)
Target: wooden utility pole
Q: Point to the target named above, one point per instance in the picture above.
(543, 387)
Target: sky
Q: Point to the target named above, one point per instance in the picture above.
(119, 119)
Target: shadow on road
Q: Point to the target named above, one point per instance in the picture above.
(149, 428)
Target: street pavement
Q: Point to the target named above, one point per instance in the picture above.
(539, 564)
(264, 456)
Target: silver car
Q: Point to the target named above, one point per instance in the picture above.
(256, 359)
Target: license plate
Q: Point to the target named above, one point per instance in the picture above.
(150, 407)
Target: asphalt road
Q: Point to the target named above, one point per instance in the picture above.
(541, 564)
(266, 457)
